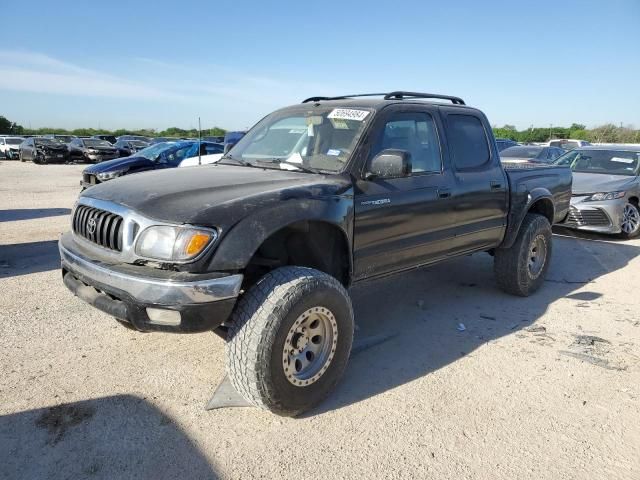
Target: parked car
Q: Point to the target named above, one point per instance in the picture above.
(214, 139)
(92, 150)
(10, 146)
(504, 143)
(531, 153)
(43, 150)
(109, 138)
(231, 138)
(155, 140)
(138, 138)
(211, 154)
(606, 189)
(154, 157)
(60, 138)
(568, 144)
(319, 196)
(129, 147)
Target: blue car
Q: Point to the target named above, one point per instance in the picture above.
(154, 157)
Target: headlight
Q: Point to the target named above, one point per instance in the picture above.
(109, 175)
(597, 197)
(174, 243)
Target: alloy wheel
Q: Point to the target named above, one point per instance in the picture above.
(630, 219)
(310, 346)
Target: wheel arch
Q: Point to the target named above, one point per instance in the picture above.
(315, 234)
(540, 201)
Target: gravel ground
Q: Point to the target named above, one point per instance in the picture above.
(545, 387)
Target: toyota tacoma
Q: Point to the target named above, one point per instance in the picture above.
(262, 246)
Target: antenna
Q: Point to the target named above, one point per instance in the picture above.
(199, 143)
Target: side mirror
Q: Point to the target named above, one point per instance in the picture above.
(390, 163)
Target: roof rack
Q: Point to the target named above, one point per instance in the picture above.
(342, 97)
(399, 95)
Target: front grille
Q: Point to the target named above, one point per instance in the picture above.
(98, 226)
(587, 218)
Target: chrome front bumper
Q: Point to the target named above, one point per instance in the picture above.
(148, 290)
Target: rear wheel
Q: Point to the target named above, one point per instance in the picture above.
(520, 269)
(289, 340)
(630, 220)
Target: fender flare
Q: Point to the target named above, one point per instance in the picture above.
(241, 242)
(519, 209)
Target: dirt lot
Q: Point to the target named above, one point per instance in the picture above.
(546, 387)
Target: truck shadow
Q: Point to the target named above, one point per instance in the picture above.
(31, 213)
(25, 258)
(113, 437)
(438, 315)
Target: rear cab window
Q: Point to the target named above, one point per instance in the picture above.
(468, 142)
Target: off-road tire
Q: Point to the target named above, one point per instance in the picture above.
(258, 330)
(511, 265)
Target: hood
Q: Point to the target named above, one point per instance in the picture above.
(214, 195)
(587, 183)
(118, 164)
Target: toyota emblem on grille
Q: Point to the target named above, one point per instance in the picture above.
(91, 226)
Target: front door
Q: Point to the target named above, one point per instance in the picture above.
(403, 222)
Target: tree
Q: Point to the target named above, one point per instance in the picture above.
(7, 126)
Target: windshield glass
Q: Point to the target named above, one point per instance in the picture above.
(137, 144)
(172, 153)
(94, 142)
(609, 162)
(521, 152)
(14, 141)
(318, 138)
(46, 141)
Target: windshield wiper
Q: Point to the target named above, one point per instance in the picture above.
(278, 161)
(239, 161)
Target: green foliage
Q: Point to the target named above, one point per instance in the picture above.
(6, 126)
(608, 133)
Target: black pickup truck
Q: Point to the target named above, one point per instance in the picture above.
(261, 247)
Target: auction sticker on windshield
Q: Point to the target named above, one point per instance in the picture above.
(348, 114)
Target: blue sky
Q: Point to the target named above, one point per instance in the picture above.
(160, 64)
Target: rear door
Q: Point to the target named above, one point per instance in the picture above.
(480, 203)
(403, 222)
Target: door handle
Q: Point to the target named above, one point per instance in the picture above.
(444, 193)
(496, 185)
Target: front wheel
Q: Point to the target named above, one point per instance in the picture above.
(289, 340)
(630, 221)
(520, 269)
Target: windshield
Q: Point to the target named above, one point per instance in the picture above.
(63, 138)
(171, 153)
(521, 152)
(14, 141)
(46, 141)
(94, 142)
(317, 138)
(137, 144)
(609, 162)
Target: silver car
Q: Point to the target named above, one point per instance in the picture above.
(606, 189)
